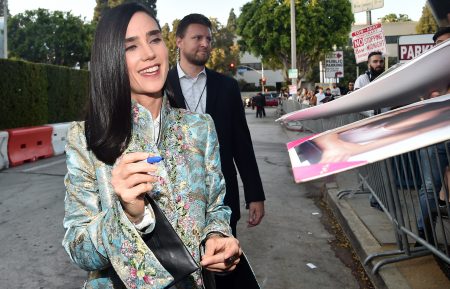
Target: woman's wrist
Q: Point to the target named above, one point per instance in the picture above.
(135, 219)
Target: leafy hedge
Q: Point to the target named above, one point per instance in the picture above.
(35, 94)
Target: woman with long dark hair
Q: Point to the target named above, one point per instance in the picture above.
(130, 119)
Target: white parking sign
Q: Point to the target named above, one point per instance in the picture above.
(334, 64)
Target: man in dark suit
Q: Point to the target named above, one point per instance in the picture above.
(205, 91)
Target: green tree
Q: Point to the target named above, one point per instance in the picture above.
(2, 4)
(392, 17)
(224, 51)
(264, 27)
(171, 41)
(427, 23)
(42, 36)
(103, 5)
(231, 22)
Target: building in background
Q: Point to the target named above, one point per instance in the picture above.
(250, 70)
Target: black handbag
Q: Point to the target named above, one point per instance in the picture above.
(168, 248)
(242, 277)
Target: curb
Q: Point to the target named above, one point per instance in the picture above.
(362, 241)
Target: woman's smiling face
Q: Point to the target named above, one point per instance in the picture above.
(146, 56)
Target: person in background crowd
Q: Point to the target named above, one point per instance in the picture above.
(320, 95)
(328, 96)
(335, 91)
(305, 96)
(260, 102)
(351, 87)
(375, 63)
(128, 120)
(301, 94)
(312, 98)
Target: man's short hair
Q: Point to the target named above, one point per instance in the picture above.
(374, 53)
(441, 31)
(193, 18)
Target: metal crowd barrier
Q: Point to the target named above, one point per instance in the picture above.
(407, 188)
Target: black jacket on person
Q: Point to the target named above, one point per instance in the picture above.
(260, 100)
(224, 104)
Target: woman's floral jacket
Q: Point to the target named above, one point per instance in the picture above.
(190, 189)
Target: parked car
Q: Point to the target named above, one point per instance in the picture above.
(271, 99)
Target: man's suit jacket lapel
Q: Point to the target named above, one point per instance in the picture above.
(212, 91)
(174, 81)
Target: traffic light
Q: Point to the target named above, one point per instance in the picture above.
(263, 80)
(232, 69)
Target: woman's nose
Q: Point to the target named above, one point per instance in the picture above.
(148, 53)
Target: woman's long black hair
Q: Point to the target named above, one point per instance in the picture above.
(108, 121)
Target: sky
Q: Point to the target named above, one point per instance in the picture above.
(168, 10)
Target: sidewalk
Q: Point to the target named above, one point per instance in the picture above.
(291, 248)
(370, 231)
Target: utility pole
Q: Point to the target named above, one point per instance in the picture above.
(369, 17)
(262, 77)
(5, 29)
(293, 45)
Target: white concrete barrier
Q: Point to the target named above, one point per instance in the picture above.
(4, 163)
(59, 137)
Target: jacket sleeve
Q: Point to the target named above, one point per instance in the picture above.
(83, 215)
(217, 214)
(243, 153)
(98, 234)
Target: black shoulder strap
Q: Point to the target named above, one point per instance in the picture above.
(168, 248)
(369, 75)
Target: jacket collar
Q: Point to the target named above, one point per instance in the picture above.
(142, 138)
(211, 87)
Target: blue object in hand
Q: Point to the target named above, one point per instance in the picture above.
(154, 159)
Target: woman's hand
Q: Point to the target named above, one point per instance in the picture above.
(221, 253)
(131, 181)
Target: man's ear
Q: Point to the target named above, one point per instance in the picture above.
(178, 41)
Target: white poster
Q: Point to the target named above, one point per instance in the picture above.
(367, 40)
(334, 64)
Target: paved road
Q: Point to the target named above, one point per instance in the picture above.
(290, 237)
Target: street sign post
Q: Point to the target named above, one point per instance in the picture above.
(292, 89)
(2, 33)
(367, 40)
(334, 64)
(293, 73)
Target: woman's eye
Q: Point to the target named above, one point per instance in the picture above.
(155, 40)
(130, 48)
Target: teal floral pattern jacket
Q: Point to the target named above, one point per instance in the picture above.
(99, 237)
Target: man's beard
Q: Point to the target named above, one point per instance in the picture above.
(192, 58)
(374, 73)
